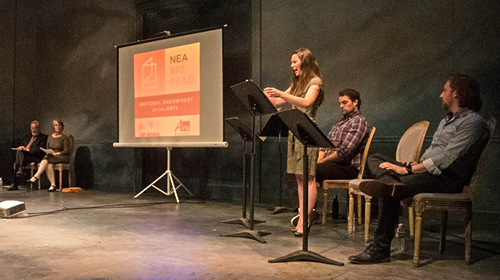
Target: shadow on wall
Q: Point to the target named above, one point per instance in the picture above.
(84, 169)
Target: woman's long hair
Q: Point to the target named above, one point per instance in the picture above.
(308, 70)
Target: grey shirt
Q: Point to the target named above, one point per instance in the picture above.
(452, 139)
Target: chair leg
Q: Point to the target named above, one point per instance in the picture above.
(360, 209)
(442, 238)
(468, 236)
(368, 210)
(323, 210)
(69, 178)
(411, 221)
(418, 236)
(350, 223)
(60, 179)
(32, 172)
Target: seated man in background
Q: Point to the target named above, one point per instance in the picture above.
(28, 152)
(445, 167)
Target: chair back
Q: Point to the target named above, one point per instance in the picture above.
(490, 124)
(364, 156)
(410, 144)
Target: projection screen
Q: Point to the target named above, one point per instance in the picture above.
(170, 91)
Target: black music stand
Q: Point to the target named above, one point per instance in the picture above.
(308, 133)
(256, 103)
(276, 128)
(246, 135)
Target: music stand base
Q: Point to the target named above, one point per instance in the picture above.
(280, 209)
(305, 256)
(253, 234)
(241, 221)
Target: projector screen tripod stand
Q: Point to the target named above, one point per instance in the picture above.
(172, 180)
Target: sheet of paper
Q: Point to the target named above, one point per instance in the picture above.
(48, 151)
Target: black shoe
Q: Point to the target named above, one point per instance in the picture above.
(370, 256)
(12, 188)
(300, 234)
(33, 180)
(380, 188)
(52, 189)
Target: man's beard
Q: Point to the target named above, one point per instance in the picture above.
(445, 106)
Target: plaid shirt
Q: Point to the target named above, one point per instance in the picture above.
(349, 137)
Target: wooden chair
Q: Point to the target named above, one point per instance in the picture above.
(450, 202)
(409, 149)
(61, 167)
(344, 184)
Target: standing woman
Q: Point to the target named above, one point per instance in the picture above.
(306, 93)
(58, 142)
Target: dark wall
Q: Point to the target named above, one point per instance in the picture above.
(65, 68)
(7, 76)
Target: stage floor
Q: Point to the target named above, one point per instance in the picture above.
(113, 236)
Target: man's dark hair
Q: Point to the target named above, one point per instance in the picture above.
(468, 92)
(352, 94)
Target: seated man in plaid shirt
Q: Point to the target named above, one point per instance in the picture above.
(349, 136)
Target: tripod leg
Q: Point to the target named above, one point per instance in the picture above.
(153, 185)
(181, 185)
(174, 189)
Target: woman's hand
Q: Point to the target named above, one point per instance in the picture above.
(273, 92)
(57, 154)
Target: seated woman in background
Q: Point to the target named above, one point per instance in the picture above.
(59, 143)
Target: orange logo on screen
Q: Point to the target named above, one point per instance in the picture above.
(149, 73)
(183, 126)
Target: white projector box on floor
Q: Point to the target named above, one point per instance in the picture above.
(11, 208)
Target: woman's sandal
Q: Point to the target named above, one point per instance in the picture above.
(33, 180)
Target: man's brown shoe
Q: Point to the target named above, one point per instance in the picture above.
(380, 188)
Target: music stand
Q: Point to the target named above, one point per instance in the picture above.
(245, 133)
(308, 133)
(275, 127)
(256, 103)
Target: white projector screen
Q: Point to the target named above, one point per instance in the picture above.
(170, 91)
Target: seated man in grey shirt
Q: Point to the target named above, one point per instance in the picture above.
(445, 167)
